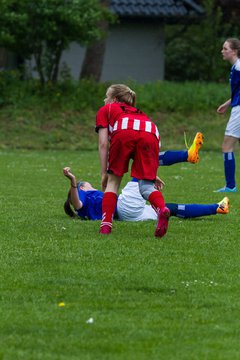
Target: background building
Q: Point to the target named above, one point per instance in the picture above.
(135, 44)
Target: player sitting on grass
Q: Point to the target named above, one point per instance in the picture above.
(86, 202)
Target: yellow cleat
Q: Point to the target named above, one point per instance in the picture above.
(193, 156)
(223, 206)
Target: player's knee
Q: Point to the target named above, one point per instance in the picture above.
(225, 147)
(146, 187)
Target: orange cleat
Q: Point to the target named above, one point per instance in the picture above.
(193, 156)
(223, 206)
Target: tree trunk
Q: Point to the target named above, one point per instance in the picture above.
(56, 63)
(37, 58)
(93, 61)
(3, 58)
(94, 56)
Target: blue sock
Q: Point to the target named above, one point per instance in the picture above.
(192, 210)
(229, 169)
(172, 157)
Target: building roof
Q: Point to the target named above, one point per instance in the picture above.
(167, 10)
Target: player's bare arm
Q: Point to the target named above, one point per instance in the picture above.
(222, 108)
(77, 204)
(103, 155)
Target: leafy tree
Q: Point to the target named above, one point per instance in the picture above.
(193, 51)
(43, 29)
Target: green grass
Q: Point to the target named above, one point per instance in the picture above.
(174, 298)
(63, 117)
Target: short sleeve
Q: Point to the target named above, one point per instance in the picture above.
(237, 66)
(102, 116)
(82, 196)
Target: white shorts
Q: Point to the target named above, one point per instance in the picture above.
(233, 125)
(132, 207)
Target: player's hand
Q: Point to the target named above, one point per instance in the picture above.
(222, 108)
(159, 183)
(104, 181)
(67, 173)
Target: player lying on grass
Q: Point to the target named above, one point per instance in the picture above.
(131, 206)
(191, 155)
(85, 202)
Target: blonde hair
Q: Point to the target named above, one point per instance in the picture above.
(123, 93)
(234, 44)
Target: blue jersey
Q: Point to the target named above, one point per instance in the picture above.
(235, 83)
(92, 204)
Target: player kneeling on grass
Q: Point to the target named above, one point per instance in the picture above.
(85, 202)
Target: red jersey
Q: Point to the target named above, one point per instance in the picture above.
(120, 116)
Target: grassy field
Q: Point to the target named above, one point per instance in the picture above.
(63, 117)
(174, 298)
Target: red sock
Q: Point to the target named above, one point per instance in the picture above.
(109, 204)
(157, 201)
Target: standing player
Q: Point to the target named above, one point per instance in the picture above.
(132, 136)
(231, 53)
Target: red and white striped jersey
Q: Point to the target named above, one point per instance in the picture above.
(120, 116)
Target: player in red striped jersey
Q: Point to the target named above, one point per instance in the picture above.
(127, 133)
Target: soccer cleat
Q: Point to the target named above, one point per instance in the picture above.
(162, 224)
(105, 229)
(223, 206)
(193, 156)
(226, 189)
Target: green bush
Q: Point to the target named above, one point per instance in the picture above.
(164, 96)
(193, 52)
(62, 116)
